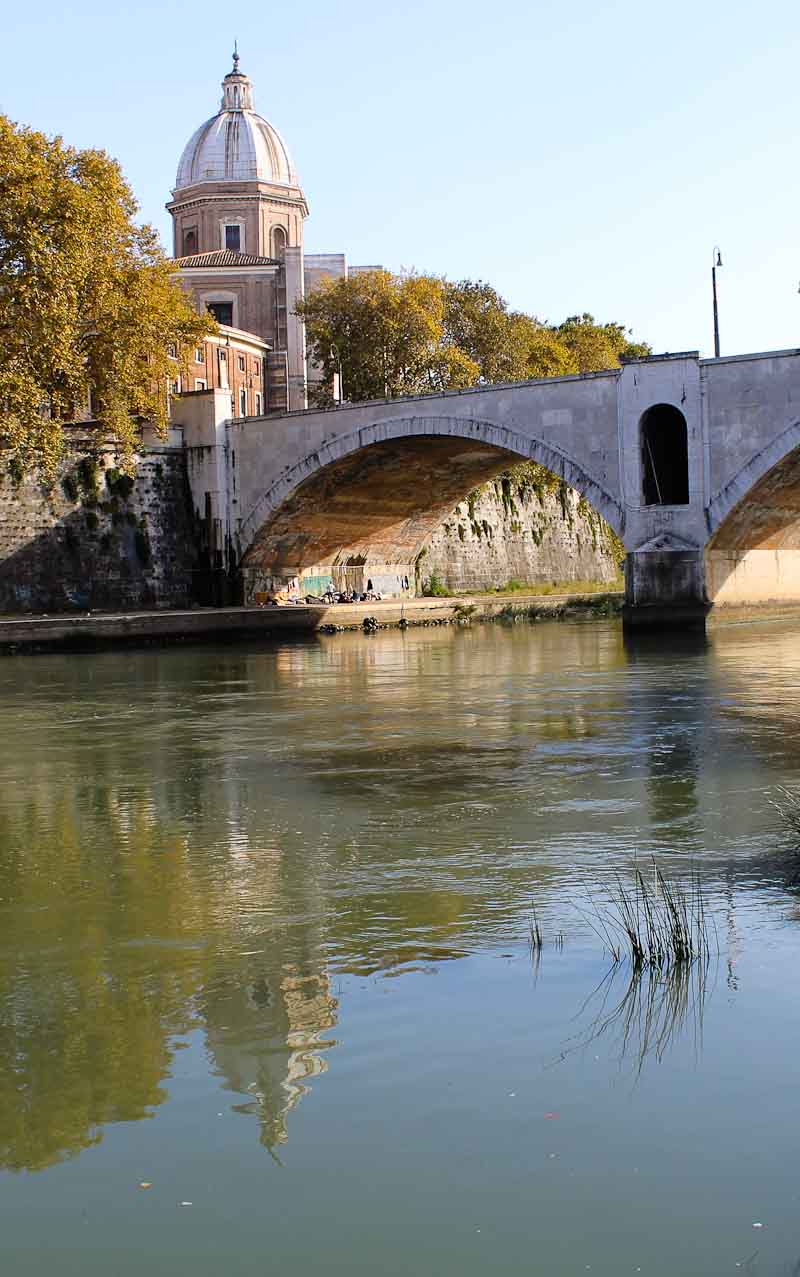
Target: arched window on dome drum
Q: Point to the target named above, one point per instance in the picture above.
(665, 456)
(190, 242)
(278, 241)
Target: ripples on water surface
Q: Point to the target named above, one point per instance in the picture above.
(263, 917)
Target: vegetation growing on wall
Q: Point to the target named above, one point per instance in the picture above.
(525, 529)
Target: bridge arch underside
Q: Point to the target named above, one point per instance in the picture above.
(753, 556)
(367, 516)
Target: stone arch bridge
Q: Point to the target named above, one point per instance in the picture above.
(695, 464)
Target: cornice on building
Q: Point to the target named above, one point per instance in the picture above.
(202, 272)
(229, 336)
(182, 203)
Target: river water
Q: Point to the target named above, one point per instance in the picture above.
(267, 1001)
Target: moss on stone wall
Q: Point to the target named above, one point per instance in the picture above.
(526, 525)
(96, 536)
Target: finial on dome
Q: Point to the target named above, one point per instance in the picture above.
(236, 57)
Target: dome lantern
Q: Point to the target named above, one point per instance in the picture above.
(237, 89)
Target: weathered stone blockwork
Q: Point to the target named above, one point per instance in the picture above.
(524, 526)
(94, 539)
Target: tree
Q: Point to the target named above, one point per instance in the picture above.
(395, 335)
(387, 333)
(545, 354)
(87, 299)
(596, 347)
(479, 322)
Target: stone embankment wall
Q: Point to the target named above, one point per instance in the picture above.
(94, 538)
(526, 526)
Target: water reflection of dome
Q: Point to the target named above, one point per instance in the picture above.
(266, 1041)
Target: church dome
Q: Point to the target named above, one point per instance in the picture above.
(236, 145)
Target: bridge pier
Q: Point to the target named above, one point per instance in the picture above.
(665, 589)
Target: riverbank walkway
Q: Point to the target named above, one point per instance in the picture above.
(107, 629)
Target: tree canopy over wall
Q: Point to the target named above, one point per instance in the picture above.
(406, 334)
(87, 299)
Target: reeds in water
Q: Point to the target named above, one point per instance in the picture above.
(535, 941)
(660, 925)
(786, 802)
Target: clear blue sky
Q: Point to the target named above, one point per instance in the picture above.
(579, 157)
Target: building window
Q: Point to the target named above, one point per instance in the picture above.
(278, 241)
(242, 364)
(255, 368)
(223, 369)
(665, 456)
(200, 355)
(258, 404)
(242, 402)
(199, 384)
(222, 312)
(190, 241)
(233, 238)
(175, 386)
(172, 350)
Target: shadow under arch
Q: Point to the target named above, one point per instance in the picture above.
(383, 489)
(753, 552)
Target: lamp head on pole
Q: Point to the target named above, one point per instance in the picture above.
(717, 258)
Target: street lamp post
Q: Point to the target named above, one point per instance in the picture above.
(716, 262)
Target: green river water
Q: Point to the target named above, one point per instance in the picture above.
(263, 947)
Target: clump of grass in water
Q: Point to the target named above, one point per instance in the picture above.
(659, 934)
(535, 942)
(786, 802)
(660, 926)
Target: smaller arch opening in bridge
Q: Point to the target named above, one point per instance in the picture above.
(665, 456)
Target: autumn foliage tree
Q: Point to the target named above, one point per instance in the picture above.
(387, 335)
(404, 334)
(87, 299)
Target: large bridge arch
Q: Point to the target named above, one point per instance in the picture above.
(514, 445)
(370, 499)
